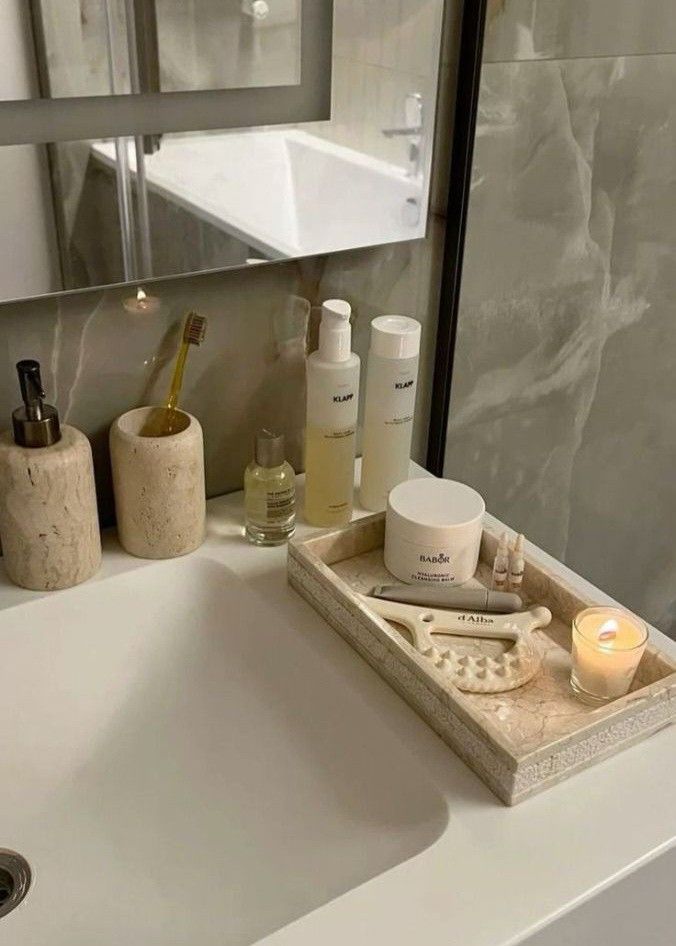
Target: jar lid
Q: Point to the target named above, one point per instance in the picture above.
(426, 510)
(395, 336)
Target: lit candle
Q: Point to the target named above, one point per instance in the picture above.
(607, 648)
(142, 302)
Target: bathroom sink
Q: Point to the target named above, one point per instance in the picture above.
(181, 766)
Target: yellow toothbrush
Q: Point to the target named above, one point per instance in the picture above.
(164, 422)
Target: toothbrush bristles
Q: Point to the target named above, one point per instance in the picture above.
(195, 329)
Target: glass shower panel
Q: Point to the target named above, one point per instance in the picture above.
(106, 58)
(182, 234)
(73, 39)
(562, 410)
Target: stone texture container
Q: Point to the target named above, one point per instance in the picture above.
(159, 485)
(520, 741)
(48, 520)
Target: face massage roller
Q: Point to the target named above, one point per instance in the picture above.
(480, 674)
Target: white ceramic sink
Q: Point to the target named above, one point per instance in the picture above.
(284, 192)
(180, 766)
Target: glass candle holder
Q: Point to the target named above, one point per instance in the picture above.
(607, 648)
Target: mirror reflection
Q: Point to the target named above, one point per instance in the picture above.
(206, 201)
(88, 213)
(105, 47)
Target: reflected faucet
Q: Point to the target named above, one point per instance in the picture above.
(412, 130)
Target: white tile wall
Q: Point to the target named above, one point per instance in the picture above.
(383, 49)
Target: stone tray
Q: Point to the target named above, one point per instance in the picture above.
(519, 742)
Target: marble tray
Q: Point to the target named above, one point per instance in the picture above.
(518, 742)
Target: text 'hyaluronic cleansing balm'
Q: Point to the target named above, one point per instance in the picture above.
(433, 531)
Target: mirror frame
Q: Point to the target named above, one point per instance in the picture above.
(43, 120)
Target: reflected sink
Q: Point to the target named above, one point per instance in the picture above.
(181, 766)
(283, 192)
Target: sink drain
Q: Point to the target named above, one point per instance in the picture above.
(15, 879)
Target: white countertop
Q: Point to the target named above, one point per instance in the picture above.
(495, 874)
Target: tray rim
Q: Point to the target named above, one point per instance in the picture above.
(598, 720)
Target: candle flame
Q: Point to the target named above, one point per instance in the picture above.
(608, 630)
(140, 295)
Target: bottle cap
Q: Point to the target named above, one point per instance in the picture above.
(395, 336)
(269, 449)
(335, 333)
(36, 424)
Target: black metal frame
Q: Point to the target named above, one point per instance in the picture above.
(40, 120)
(467, 98)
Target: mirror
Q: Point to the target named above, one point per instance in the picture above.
(113, 47)
(101, 211)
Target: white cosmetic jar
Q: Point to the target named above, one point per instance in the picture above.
(433, 531)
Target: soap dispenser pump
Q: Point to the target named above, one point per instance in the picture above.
(49, 525)
(36, 424)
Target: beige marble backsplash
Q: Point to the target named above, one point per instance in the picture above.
(99, 360)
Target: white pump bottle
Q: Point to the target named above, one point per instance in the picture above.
(332, 408)
(391, 382)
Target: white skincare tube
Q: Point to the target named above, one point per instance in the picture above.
(391, 381)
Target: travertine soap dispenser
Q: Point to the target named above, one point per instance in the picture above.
(49, 525)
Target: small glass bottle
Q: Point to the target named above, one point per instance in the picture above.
(269, 492)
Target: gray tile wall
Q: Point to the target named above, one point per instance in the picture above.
(565, 29)
(563, 408)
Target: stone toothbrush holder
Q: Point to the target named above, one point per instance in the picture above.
(158, 483)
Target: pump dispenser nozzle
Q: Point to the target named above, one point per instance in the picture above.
(32, 392)
(36, 424)
(335, 333)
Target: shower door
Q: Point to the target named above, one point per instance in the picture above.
(554, 389)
